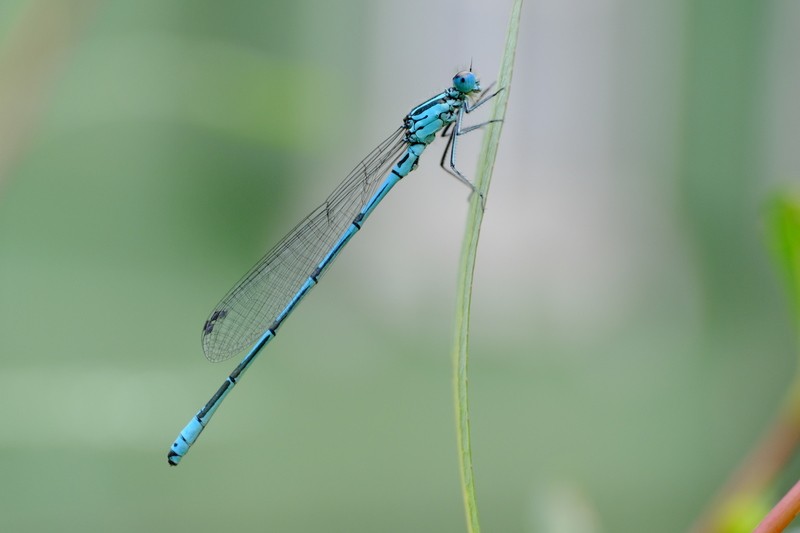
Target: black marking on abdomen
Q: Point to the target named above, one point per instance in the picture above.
(213, 400)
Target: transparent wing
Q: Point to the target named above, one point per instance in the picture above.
(253, 304)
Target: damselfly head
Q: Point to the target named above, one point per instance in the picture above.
(465, 82)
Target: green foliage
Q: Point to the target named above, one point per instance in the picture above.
(784, 218)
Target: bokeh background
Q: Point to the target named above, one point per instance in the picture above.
(631, 336)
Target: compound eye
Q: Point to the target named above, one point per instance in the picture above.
(465, 82)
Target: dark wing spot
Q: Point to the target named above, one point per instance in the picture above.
(208, 327)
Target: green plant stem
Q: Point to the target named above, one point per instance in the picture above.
(466, 270)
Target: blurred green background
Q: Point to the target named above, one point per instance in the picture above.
(631, 336)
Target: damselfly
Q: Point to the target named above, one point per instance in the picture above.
(251, 313)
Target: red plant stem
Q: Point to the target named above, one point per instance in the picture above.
(782, 514)
(760, 468)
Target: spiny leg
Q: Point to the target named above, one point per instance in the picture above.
(446, 146)
(452, 134)
(453, 171)
(449, 134)
(452, 141)
(476, 126)
(483, 99)
(446, 129)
